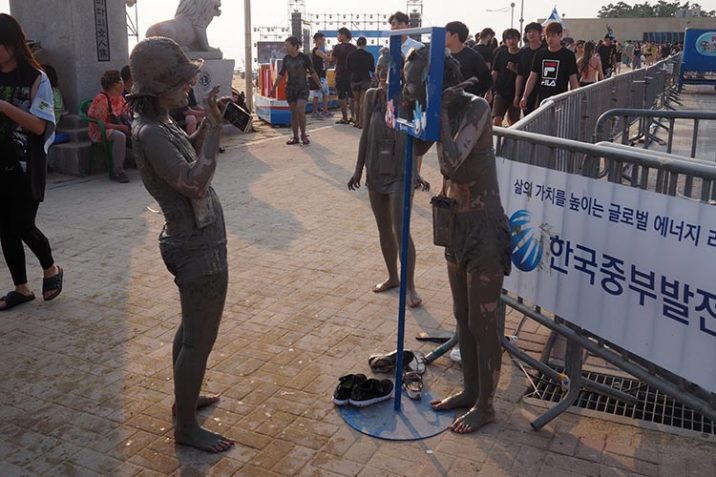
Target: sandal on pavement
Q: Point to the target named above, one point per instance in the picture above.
(292, 141)
(343, 121)
(13, 298)
(413, 385)
(385, 363)
(52, 284)
(305, 140)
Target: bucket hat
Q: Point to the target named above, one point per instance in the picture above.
(159, 64)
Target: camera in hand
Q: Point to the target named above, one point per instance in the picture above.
(239, 117)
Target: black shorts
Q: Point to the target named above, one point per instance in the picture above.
(343, 87)
(294, 94)
(502, 106)
(359, 86)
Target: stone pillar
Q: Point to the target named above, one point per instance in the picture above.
(80, 38)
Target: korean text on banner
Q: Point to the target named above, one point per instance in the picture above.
(631, 266)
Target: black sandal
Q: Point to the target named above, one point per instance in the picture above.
(13, 298)
(292, 141)
(52, 284)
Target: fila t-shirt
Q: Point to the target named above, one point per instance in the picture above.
(553, 70)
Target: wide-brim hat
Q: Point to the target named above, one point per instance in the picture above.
(158, 65)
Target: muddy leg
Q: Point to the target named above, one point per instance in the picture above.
(202, 301)
(484, 289)
(294, 119)
(396, 211)
(380, 203)
(468, 346)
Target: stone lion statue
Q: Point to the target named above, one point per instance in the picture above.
(188, 27)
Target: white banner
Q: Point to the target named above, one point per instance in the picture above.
(634, 267)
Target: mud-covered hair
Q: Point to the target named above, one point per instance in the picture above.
(452, 75)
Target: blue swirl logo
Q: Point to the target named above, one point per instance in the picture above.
(526, 242)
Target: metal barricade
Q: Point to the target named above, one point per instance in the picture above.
(605, 130)
(671, 169)
(573, 115)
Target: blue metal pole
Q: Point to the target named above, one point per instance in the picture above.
(407, 202)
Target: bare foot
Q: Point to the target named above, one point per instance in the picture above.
(204, 401)
(453, 402)
(472, 420)
(414, 299)
(386, 285)
(202, 439)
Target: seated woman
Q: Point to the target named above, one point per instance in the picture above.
(110, 107)
(381, 151)
(478, 254)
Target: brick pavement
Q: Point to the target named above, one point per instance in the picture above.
(86, 386)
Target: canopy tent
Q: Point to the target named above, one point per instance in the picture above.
(553, 17)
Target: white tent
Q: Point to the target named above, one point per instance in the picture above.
(553, 17)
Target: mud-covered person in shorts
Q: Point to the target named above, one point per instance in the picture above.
(361, 66)
(296, 65)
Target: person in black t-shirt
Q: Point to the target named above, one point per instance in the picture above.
(319, 59)
(504, 73)
(26, 130)
(607, 53)
(296, 65)
(533, 32)
(553, 69)
(339, 55)
(484, 45)
(361, 66)
(471, 63)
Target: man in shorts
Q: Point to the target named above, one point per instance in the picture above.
(504, 73)
(361, 66)
(296, 65)
(319, 90)
(339, 55)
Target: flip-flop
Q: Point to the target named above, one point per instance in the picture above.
(413, 385)
(13, 298)
(437, 337)
(53, 283)
(343, 121)
(385, 363)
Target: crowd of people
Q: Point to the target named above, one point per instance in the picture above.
(502, 68)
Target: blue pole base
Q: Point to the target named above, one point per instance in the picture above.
(416, 419)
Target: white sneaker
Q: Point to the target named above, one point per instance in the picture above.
(455, 355)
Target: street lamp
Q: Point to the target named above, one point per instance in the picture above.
(522, 19)
(248, 63)
(512, 15)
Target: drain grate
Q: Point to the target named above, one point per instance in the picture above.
(652, 405)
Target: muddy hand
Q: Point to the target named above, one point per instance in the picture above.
(422, 184)
(214, 112)
(354, 183)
